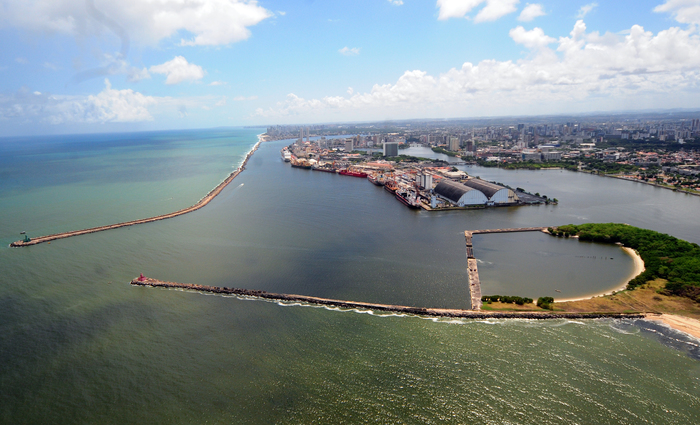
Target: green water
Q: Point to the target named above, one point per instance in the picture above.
(80, 345)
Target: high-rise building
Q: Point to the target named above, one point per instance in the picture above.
(390, 149)
(453, 144)
(349, 145)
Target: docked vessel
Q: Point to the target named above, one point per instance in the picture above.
(286, 155)
(347, 172)
(390, 186)
(300, 163)
(374, 179)
(324, 167)
(408, 198)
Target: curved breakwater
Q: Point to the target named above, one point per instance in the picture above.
(421, 311)
(201, 203)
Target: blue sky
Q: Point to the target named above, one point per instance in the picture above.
(98, 65)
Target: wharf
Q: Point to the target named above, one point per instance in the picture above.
(420, 311)
(202, 202)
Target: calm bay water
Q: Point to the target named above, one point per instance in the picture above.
(78, 344)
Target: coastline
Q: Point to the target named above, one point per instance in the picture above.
(637, 270)
(200, 204)
(682, 324)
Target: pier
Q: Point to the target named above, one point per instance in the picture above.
(202, 202)
(472, 269)
(419, 311)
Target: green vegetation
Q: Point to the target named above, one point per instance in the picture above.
(546, 303)
(506, 299)
(529, 165)
(445, 151)
(665, 257)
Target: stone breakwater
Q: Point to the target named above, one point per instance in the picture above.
(202, 202)
(420, 311)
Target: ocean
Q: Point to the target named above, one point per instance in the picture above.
(79, 344)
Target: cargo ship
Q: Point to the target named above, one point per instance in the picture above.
(352, 173)
(376, 180)
(390, 186)
(325, 168)
(408, 198)
(300, 163)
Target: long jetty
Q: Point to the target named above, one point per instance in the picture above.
(472, 268)
(201, 203)
(420, 311)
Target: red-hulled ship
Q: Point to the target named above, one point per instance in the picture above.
(353, 173)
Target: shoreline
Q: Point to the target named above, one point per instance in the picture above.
(682, 324)
(638, 269)
(199, 204)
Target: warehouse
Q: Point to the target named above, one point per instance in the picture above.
(459, 194)
(496, 194)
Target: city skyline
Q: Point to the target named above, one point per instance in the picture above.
(73, 66)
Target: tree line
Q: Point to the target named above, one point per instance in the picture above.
(665, 256)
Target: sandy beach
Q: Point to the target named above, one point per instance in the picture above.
(636, 271)
(679, 323)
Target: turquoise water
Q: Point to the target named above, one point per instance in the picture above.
(80, 345)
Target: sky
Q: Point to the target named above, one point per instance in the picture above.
(77, 66)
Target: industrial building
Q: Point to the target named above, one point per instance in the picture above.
(459, 194)
(474, 192)
(496, 194)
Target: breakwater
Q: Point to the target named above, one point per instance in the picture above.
(420, 311)
(472, 267)
(201, 203)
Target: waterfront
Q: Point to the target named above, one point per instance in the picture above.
(80, 344)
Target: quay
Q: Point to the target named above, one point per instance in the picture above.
(419, 311)
(202, 202)
(472, 268)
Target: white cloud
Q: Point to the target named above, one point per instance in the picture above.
(51, 66)
(23, 61)
(586, 9)
(217, 83)
(582, 72)
(222, 102)
(396, 2)
(683, 11)
(179, 70)
(493, 10)
(533, 39)
(282, 13)
(350, 91)
(110, 105)
(530, 12)
(242, 98)
(496, 9)
(135, 75)
(211, 22)
(349, 51)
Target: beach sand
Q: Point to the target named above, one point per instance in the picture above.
(679, 323)
(636, 271)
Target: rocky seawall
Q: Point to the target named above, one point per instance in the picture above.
(421, 311)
